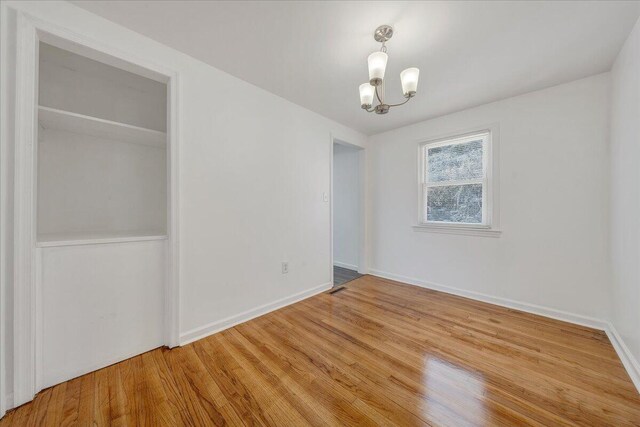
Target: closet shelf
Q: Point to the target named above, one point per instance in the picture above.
(52, 118)
(96, 238)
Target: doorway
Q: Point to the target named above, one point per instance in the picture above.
(347, 212)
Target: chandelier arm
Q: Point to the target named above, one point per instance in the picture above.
(402, 103)
(378, 96)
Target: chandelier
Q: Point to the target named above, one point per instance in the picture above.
(377, 65)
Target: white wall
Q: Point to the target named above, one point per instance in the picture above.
(553, 203)
(251, 180)
(346, 206)
(625, 192)
(7, 117)
(89, 185)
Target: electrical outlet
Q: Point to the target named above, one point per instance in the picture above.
(285, 267)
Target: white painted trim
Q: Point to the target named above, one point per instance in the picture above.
(24, 278)
(229, 322)
(553, 313)
(4, 204)
(363, 254)
(331, 139)
(9, 402)
(39, 321)
(629, 362)
(172, 286)
(30, 30)
(467, 231)
(345, 265)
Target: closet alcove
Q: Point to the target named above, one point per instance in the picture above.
(101, 193)
(102, 157)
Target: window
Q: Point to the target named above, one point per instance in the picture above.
(455, 181)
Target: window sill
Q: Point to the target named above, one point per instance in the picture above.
(462, 230)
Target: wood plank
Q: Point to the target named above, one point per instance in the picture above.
(377, 353)
(71, 402)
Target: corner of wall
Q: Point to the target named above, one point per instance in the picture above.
(624, 204)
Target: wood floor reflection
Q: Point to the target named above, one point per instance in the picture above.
(377, 353)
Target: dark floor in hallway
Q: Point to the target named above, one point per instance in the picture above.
(343, 275)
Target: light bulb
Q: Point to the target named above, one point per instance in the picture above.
(377, 65)
(366, 95)
(409, 79)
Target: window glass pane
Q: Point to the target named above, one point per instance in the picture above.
(455, 203)
(455, 162)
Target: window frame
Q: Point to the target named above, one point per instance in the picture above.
(488, 226)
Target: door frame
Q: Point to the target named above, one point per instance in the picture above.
(27, 303)
(363, 265)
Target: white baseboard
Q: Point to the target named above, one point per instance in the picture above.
(8, 404)
(220, 325)
(628, 360)
(553, 313)
(345, 265)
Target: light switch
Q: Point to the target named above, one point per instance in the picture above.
(325, 197)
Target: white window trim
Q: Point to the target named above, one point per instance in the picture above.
(490, 225)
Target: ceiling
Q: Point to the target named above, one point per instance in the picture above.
(315, 53)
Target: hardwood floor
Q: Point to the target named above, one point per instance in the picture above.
(377, 353)
(343, 275)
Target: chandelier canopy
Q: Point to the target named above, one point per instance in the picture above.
(377, 66)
